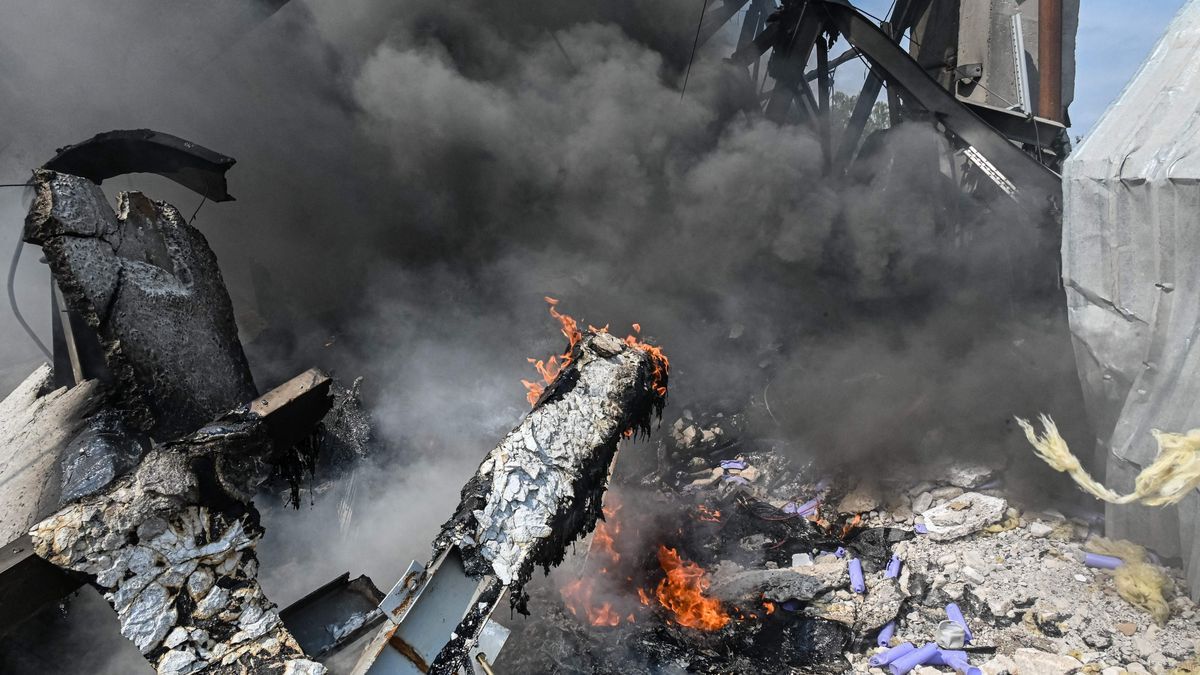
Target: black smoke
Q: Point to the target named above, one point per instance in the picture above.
(413, 177)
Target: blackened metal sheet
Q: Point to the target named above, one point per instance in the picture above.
(115, 153)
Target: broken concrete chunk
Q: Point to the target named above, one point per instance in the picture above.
(922, 502)
(864, 497)
(999, 665)
(861, 612)
(731, 584)
(968, 475)
(303, 667)
(963, 515)
(1044, 663)
(176, 662)
(1038, 529)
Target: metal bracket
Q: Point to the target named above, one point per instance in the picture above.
(969, 72)
(1025, 102)
(423, 609)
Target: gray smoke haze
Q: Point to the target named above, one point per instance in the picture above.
(414, 176)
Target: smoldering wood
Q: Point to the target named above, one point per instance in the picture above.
(541, 488)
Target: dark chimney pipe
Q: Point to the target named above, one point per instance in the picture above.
(1050, 59)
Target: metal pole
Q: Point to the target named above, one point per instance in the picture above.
(1050, 59)
(824, 85)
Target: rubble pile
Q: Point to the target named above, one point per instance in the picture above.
(821, 575)
(1028, 596)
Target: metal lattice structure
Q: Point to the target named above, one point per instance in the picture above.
(1016, 150)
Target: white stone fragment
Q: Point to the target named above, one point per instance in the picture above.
(1030, 660)
(966, 514)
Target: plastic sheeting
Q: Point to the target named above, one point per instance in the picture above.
(1131, 267)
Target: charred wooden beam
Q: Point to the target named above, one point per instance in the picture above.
(539, 490)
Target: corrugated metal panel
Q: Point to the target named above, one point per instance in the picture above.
(985, 35)
(1131, 265)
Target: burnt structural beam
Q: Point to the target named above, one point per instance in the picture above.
(717, 17)
(903, 17)
(1050, 34)
(839, 60)
(151, 313)
(824, 85)
(539, 490)
(756, 14)
(792, 46)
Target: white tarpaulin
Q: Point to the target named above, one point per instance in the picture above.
(1131, 266)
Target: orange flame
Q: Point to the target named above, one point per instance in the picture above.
(708, 515)
(682, 593)
(577, 595)
(770, 607)
(644, 597)
(660, 364)
(606, 530)
(548, 369)
(850, 525)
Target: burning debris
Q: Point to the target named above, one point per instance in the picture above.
(717, 576)
(540, 489)
(168, 440)
(543, 485)
(719, 551)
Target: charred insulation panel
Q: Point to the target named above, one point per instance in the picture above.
(148, 284)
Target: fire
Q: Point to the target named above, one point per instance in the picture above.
(578, 597)
(850, 525)
(682, 592)
(708, 515)
(578, 594)
(770, 607)
(606, 530)
(660, 364)
(548, 369)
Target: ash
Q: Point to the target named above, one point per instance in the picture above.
(771, 532)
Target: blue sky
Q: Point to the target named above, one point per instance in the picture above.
(1114, 37)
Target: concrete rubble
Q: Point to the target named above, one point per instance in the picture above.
(1018, 576)
(965, 514)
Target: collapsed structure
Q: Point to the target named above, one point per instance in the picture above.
(534, 494)
(160, 437)
(161, 441)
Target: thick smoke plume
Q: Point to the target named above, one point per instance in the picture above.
(414, 176)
